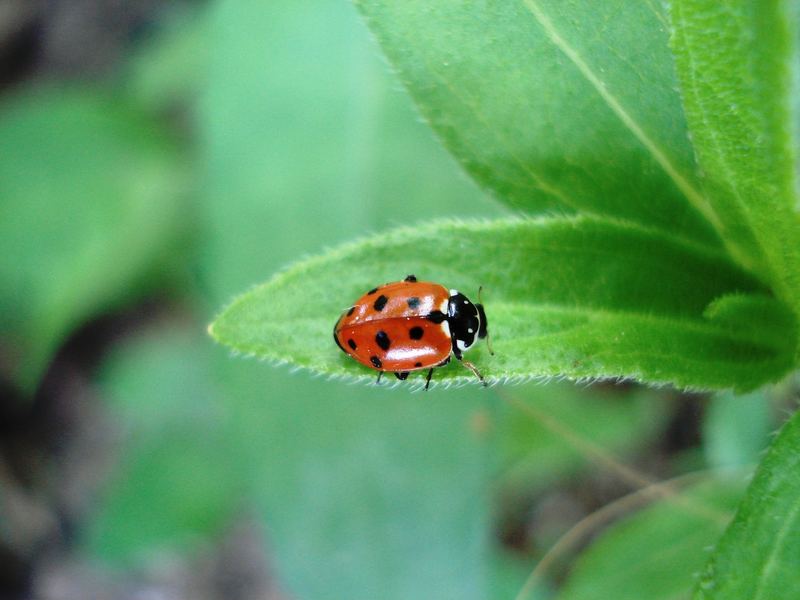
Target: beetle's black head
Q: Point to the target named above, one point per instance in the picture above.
(467, 322)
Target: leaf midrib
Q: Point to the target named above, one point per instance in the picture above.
(692, 195)
(687, 324)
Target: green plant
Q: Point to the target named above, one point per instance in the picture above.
(660, 148)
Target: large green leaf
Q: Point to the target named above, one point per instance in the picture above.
(655, 553)
(90, 205)
(567, 106)
(758, 557)
(581, 297)
(737, 64)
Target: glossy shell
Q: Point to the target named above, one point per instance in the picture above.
(397, 327)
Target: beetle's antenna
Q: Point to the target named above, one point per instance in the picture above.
(488, 338)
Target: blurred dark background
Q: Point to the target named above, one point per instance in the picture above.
(73, 38)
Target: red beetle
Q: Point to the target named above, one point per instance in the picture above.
(410, 325)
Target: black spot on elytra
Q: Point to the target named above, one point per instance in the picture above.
(350, 312)
(380, 303)
(383, 340)
(372, 291)
(352, 344)
(417, 364)
(413, 302)
(415, 333)
(437, 316)
(376, 362)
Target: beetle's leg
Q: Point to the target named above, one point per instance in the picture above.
(428, 379)
(410, 278)
(378, 380)
(402, 375)
(472, 368)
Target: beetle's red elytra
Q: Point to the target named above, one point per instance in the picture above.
(410, 325)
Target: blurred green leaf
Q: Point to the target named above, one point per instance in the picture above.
(375, 494)
(364, 492)
(169, 66)
(307, 142)
(174, 480)
(167, 496)
(581, 297)
(737, 64)
(533, 456)
(567, 106)
(736, 429)
(90, 207)
(655, 553)
(509, 572)
(759, 555)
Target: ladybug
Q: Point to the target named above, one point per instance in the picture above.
(410, 325)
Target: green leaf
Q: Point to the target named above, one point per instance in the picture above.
(554, 106)
(579, 297)
(655, 553)
(737, 65)
(758, 557)
(736, 429)
(90, 207)
(175, 480)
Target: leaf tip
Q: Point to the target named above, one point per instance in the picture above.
(213, 332)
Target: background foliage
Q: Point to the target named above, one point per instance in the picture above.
(232, 139)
